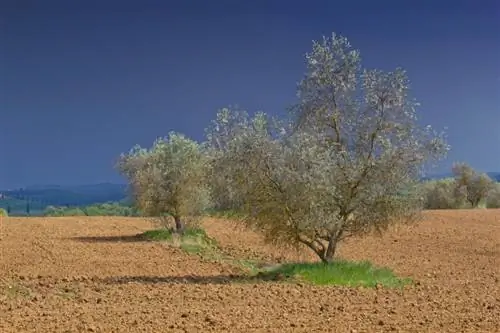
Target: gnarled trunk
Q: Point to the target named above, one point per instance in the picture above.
(179, 225)
(326, 254)
(329, 253)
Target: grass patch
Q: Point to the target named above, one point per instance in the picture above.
(193, 240)
(14, 290)
(227, 214)
(67, 294)
(341, 273)
(157, 235)
(248, 265)
(196, 241)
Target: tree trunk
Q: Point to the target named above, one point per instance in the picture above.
(474, 203)
(179, 225)
(330, 251)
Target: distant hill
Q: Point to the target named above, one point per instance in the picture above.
(493, 175)
(74, 195)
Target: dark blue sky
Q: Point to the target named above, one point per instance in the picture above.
(83, 81)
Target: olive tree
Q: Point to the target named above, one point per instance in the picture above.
(442, 194)
(345, 163)
(229, 123)
(493, 199)
(168, 178)
(476, 185)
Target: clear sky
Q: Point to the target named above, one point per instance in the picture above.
(82, 80)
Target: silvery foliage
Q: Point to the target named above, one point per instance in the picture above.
(168, 178)
(230, 124)
(475, 186)
(493, 199)
(442, 194)
(347, 161)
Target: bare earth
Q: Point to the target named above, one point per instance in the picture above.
(91, 275)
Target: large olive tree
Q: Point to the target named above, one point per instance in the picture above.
(168, 179)
(345, 164)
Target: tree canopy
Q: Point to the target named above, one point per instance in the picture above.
(345, 161)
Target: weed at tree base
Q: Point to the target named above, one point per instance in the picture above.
(340, 273)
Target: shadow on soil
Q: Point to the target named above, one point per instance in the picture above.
(191, 279)
(111, 239)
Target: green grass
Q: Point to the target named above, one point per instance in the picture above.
(157, 235)
(340, 273)
(193, 240)
(227, 214)
(196, 241)
(14, 290)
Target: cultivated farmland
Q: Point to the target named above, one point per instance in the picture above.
(92, 274)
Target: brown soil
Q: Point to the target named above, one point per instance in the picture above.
(92, 275)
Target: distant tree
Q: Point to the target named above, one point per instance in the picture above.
(54, 211)
(168, 179)
(475, 185)
(346, 164)
(493, 199)
(9, 208)
(442, 194)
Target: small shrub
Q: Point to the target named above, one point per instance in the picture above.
(3, 212)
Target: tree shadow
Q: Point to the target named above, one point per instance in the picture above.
(111, 239)
(192, 279)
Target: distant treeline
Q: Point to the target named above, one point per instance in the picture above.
(34, 200)
(105, 209)
(91, 200)
(445, 194)
(80, 195)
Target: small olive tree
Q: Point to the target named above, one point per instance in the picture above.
(167, 179)
(475, 185)
(347, 162)
(443, 194)
(493, 199)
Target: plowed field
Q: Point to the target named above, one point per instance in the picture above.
(83, 274)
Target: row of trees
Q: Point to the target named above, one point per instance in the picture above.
(104, 209)
(467, 189)
(345, 161)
